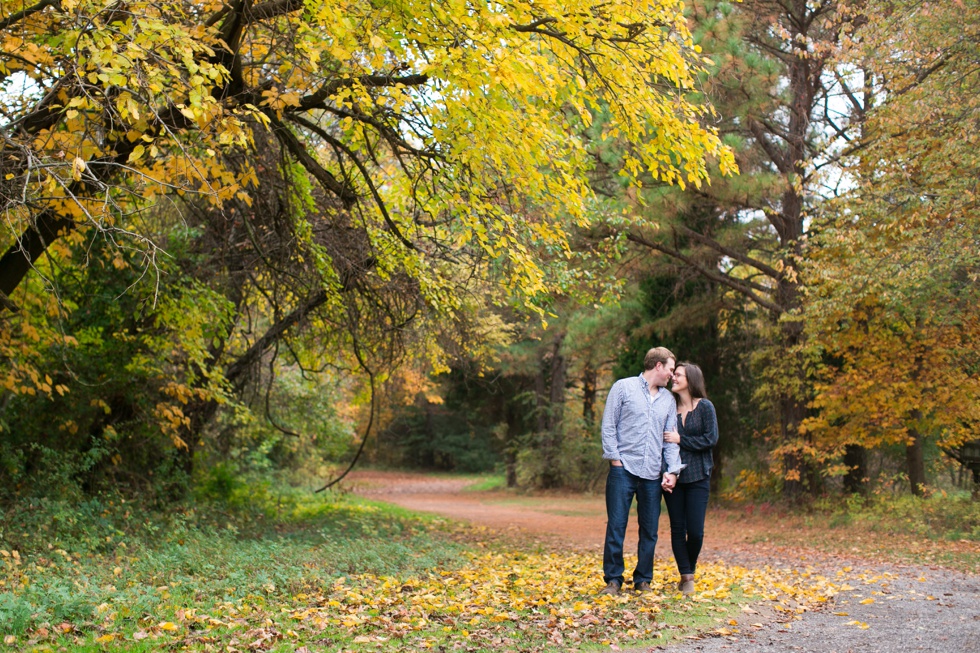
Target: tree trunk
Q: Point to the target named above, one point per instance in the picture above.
(552, 373)
(914, 458)
(589, 381)
(20, 257)
(856, 459)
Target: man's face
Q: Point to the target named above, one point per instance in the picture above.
(662, 373)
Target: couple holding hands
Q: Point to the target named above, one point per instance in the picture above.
(658, 443)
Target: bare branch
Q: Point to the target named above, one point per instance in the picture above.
(775, 154)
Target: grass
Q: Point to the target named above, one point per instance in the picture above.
(118, 573)
(277, 569)
(487, 483)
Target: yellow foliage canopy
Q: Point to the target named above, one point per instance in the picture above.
(451, 129)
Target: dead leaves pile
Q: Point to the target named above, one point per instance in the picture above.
(506, 600)
(528, 600)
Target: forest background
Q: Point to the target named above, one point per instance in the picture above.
(253, 240)
(250, 244)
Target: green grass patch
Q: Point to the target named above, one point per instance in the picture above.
(111, 566)
(487, 483)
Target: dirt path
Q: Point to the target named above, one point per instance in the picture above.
(913, 608)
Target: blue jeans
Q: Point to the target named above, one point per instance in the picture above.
(687, 505)
(621, 486)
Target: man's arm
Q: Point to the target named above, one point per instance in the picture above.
(610, 421)
(672, 452)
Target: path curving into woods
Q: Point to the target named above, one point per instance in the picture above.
(919, 607)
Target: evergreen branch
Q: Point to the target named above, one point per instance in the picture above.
(738, 285)
(768, 270)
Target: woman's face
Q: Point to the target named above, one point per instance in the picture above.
(679, 380)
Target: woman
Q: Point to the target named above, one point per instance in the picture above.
(697, 433)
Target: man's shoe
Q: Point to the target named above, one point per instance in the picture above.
(643, 587)
(687, 584)
(611, 588)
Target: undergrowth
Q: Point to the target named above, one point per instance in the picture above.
(939, 515)
(70, 564)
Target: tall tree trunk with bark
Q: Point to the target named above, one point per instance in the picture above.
(590, 379)
(551, 402)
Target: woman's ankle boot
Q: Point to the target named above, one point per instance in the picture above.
(687, 584)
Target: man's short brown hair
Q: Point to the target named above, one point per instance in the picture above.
(657, 355)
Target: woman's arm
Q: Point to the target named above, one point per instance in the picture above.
(703, 431)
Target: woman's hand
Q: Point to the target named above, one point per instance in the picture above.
(672, 436)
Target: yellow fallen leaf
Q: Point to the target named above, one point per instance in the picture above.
(105, 639)
(841, 614)
(732, 622)
(167, 625)
(867, 601)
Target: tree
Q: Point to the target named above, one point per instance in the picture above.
(350, 167)
(774, 83)
(428, 122)
(894, 294)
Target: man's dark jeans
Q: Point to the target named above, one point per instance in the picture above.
(621, 486)
(687, 505)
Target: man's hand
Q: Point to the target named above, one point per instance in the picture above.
(670, 480)
(616, 463)
(672, 436)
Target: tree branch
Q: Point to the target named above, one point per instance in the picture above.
(315, 101)
(235, 372)
(364, 173)
(772, 150)
(330, 183)
(768, 270)
(735, 284)
(24, 13)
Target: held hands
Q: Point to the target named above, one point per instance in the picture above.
(672, 436)
(670, 480)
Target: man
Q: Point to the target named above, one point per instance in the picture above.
(638, 411)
